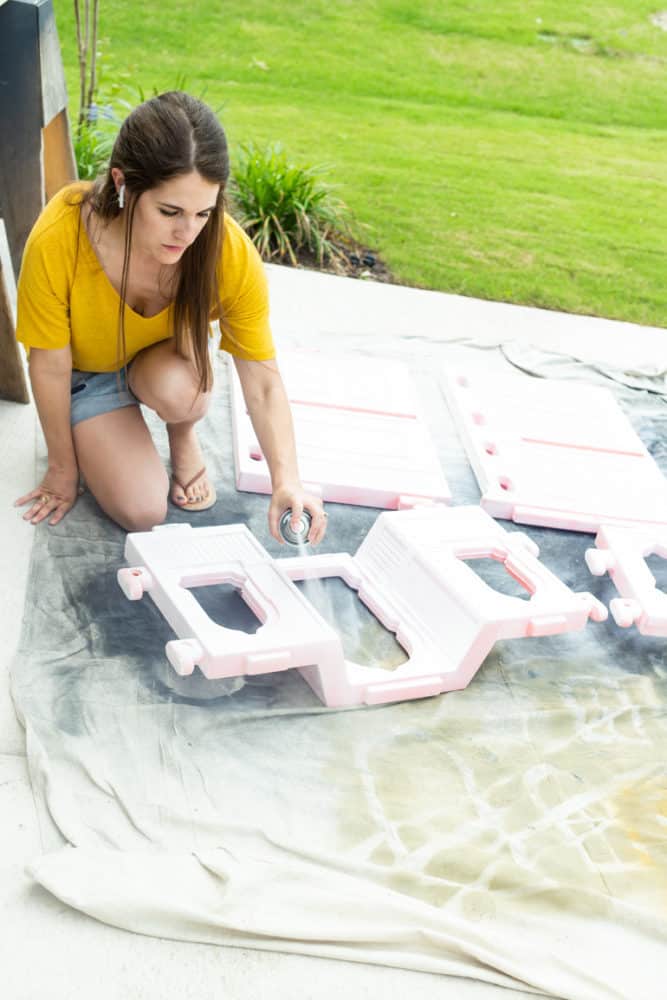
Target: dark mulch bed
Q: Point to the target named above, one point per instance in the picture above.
(354, 261)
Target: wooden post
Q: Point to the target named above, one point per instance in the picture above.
(12, 378)
(36, 157)
(57, 155)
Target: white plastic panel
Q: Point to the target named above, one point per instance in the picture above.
(361, 433)
(558, 454)
(622, 552)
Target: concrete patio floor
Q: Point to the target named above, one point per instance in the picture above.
(52, 951)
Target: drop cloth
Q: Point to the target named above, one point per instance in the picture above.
(514, 832)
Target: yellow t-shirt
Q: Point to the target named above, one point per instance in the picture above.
(65, 297)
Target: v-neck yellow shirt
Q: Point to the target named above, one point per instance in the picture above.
(65, 297)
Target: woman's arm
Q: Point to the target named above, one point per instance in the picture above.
(50, 377)
(269, 411)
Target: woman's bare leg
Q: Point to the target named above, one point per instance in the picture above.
(122, 468)
(168, 384)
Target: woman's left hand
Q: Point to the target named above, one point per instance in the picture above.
(295, 497)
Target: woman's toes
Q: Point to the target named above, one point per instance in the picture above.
(178, 495)
(199, 494)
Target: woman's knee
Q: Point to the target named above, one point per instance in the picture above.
(169, 385)
(179, 404)
(140, 515)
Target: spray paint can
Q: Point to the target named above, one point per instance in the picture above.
(291, 536)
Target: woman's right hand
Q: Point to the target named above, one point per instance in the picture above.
(56, 494)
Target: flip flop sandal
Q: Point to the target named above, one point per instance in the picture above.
(195, 505)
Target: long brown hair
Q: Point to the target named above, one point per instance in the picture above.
(170, 135)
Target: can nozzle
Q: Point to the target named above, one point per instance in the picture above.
(291, 536)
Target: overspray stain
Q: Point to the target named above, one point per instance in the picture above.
(365, 639)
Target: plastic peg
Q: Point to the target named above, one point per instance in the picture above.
(599, 561)
(597, 611)
(624, 612)
(134, 581)
(183, 654)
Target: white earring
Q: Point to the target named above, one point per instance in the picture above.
(121, 196)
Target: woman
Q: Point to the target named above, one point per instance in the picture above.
(118, 285)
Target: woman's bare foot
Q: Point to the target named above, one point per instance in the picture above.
(190, 483)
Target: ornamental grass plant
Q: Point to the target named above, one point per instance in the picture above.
(286, 208)
(93, 142)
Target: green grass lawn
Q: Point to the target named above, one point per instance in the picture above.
(514, 151)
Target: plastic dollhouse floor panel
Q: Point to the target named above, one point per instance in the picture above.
(622, 552)
(557, 454)
(411, 571)
(361, 433)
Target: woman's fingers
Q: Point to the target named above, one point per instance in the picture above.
(44, 504)
(318, 526)
(298, 502)
(32, 511)
(297, 511)
(56, 494)
(32, 515)
(321, 527)
(274, 518)
(60, 512)
(28, 496)
(41, 509)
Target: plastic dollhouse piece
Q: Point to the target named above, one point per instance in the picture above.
(412, 571)
(558, 454)
(170, 560)
(361, 433)
(622, 553)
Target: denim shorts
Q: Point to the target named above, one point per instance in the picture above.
(99, 392)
